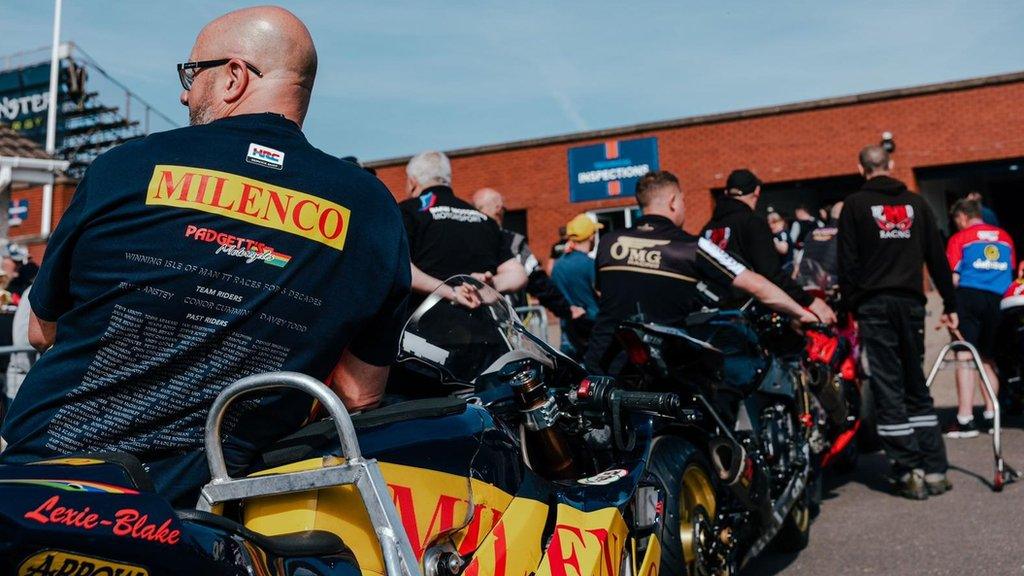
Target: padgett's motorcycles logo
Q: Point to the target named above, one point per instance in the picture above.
(239, 247)
(719, 236)
(893, 221)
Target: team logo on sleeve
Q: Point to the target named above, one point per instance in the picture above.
(893, 221)
(719, 236)
(264, 156)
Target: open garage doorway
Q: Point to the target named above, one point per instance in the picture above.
(815, 193)
(1000, 182)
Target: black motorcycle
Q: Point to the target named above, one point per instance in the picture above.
(760, 426)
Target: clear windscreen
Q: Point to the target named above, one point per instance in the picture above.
(811, 276)
(464, 329)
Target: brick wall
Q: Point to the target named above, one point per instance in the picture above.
(983, 123)
(28, 232)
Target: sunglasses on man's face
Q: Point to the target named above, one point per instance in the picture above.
(187, 70)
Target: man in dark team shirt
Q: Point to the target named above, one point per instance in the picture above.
(736, 228)
(886, 235)
(658, 270)
(491, 203)
(448, 236)
(202, 255)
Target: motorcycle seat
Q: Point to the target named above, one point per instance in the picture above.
(318, 435)
(308, 543)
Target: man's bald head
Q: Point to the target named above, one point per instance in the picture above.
(875, 161)
(271, 39)
(490, 202)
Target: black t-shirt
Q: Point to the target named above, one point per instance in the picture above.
(193, 258)
(656, 270)
(448, 236)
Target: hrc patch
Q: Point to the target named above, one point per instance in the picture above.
(251, 201)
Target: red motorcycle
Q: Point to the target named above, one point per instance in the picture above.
(830, 360)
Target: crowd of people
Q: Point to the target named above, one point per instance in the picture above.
(306, 264)
(873, 246)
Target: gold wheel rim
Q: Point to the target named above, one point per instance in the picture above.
(697, 493)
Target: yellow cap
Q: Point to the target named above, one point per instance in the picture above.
(582, 228)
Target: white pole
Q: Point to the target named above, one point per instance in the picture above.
(51, 112)
(51, 120)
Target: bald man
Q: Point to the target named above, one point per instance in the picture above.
(886, 236)
(205, 254)
(491, 203)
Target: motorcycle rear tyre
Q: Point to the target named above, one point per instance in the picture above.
(685, 478)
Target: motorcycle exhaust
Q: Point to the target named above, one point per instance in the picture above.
(741, 473)
(728, 458)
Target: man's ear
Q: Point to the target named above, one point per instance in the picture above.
(861, 170)
(236, 80)
(410, 185)
(892, 164)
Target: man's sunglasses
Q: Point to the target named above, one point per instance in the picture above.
(187, 71)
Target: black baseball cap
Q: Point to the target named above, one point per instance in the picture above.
(742, 180)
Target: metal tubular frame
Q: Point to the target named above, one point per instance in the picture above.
(1004, 473)
(399, 559)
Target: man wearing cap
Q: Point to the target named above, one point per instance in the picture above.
(738, 229)
(574, 275)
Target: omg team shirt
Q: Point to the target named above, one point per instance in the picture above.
(196, 257)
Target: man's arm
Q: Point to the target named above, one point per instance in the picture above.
(359, 385)
(423, 283)
(41, 333)
(717, 266)
(771, 296)
(540, 285)
(509, 277)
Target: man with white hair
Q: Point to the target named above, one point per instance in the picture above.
(448, 236)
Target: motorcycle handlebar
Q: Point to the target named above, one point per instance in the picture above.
(600, 393)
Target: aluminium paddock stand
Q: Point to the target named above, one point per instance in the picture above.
(1005, 474)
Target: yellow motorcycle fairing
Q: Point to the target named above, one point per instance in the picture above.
(429, 503)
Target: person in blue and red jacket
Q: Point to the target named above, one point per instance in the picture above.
(981, 257)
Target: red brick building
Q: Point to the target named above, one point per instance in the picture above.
(950, 138)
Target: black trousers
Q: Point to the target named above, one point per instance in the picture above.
(892, 342)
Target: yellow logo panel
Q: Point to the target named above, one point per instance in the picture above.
(57, 562)
(251, 201)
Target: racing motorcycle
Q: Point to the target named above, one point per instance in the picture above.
(523, 465)
(830, 358)
(743, 369)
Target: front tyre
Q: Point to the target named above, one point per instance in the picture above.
(684, 477)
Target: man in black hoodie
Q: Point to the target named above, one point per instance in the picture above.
(886, 235)
(737, 229)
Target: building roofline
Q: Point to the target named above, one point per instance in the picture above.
(802, 106)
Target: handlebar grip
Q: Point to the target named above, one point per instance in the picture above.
(600, 393)
(666, 404)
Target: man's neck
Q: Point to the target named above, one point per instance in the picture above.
(974, 222)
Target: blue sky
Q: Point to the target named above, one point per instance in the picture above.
(399, 77)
